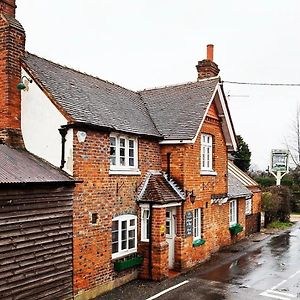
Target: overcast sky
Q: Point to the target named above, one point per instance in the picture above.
(141, 43)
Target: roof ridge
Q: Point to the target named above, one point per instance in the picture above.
(178, 84)
(80, 72)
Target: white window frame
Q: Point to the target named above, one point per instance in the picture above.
(248, 206)
(145, 223)
(125, 169)
(123, 252)
(232, 212)
(197, 224)
(206, 155)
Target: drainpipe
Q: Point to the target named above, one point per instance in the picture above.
(63, 132)
(168, 165)
(150, 242)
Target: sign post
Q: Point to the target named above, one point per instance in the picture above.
(279, 164)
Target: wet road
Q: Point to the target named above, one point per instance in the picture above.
(259, 268)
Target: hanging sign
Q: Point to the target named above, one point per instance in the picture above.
(279, 160)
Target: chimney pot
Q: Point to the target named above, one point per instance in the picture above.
(8, 7)
(210, 52)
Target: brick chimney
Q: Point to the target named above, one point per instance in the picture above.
(12, 49)
(207, 67)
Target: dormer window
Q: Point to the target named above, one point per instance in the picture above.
(123, 154)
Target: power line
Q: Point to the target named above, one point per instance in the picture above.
(262, 84)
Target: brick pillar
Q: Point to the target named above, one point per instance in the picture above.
(12, 49)
(159, 245)
(207, 68)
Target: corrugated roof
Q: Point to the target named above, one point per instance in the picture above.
(236, 189)
(91, 100)
(240, 175)
(19, 166)
(157, 189)
(177, 111)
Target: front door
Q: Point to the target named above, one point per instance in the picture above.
(171, 233)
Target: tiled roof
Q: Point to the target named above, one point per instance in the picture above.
(240, 175)
(157, 189)
(236, 189)
(91, 100)
(19, 166)
(177, 111)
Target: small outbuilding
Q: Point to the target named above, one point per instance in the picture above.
(35, 228)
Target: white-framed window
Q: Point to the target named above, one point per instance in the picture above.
(248, 209)
(197, 224)
(232, 212)
(145, 224)
(124, 237)
(206, 152)
(123, 153)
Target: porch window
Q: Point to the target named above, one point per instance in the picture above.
(124, 240)
(145, 224)
(248, 209)
(232, 212)
(207, 152)
(197, 224)
(123, 153)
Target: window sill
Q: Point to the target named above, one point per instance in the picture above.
(208, 173)
(125, 172)
(117, 256)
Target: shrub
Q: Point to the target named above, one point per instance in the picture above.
(276, 204)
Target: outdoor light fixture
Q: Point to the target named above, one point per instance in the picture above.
(24, 85)
(191, 195)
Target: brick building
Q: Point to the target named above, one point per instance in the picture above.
(154, 188)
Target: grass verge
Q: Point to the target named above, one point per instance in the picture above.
(280, 225)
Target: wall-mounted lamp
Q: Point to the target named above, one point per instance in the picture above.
(191, 195)
(23, 84)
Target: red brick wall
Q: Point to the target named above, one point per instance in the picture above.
(185, 169)
(12, 48)
(98, 193)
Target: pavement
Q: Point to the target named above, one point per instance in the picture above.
(263, 265)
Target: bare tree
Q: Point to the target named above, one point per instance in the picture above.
(293, 144)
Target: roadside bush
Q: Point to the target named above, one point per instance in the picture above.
(276, 204)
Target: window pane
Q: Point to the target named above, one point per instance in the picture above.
(131, 152)
(122, 142)
(122, 161)
(131, 144)
(132, 222)
(167, 227)
(124, 245)
(131, 162)
(115, 225)
(115, 247)
(115, 236)
(113, 161)
(124, 224)
(112, 141)
(122, 151)
(131, 233)
(131, 244)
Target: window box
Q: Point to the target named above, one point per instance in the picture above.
(128, 263)
(235, 229)
(198, 242)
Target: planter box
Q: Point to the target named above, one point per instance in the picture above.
(198, 243)
(128, 263)
(235, 229)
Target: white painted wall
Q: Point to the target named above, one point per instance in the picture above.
(40, 121)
